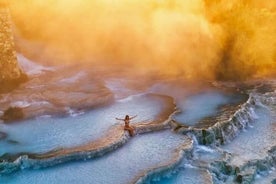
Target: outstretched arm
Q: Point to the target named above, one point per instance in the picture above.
(119, 119)
(133, 117)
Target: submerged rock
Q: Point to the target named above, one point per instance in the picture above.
(12, 141)
(3, 135)
(246, 176)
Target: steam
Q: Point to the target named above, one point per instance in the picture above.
(248, 42)
(199, 39)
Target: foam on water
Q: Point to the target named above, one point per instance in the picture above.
(187, 175)
(143, 152)
(124, 165)
(255, 143)
(193, 171)
(44, 134)
(270, 178)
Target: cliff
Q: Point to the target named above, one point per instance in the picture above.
(10, 73)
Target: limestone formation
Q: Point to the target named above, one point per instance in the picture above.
(10, 73)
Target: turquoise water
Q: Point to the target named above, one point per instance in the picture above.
(197, 107)
(253, 143)
(44, 134)
(186, 175)
(141, 153)
(123, 165)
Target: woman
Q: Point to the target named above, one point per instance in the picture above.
(127, 127)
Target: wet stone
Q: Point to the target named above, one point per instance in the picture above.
(13, 114)
(254, 143)
(207, 137)
(246, 176)
(41, 135)
(142, 154)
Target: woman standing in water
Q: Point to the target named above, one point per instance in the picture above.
(127, 127)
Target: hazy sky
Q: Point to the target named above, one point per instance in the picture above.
(212, 39)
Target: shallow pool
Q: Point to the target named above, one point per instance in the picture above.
(123, 165)
(196, 107)
(44, 134)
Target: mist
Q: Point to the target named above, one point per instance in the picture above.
(199, 39)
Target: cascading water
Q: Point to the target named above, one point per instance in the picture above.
(246, 156)
(216, 145)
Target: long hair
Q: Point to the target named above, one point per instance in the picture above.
(127, 117)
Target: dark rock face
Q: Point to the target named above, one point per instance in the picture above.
(10, 73)
(13, 114)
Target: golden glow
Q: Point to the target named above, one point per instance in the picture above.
(210, 39)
